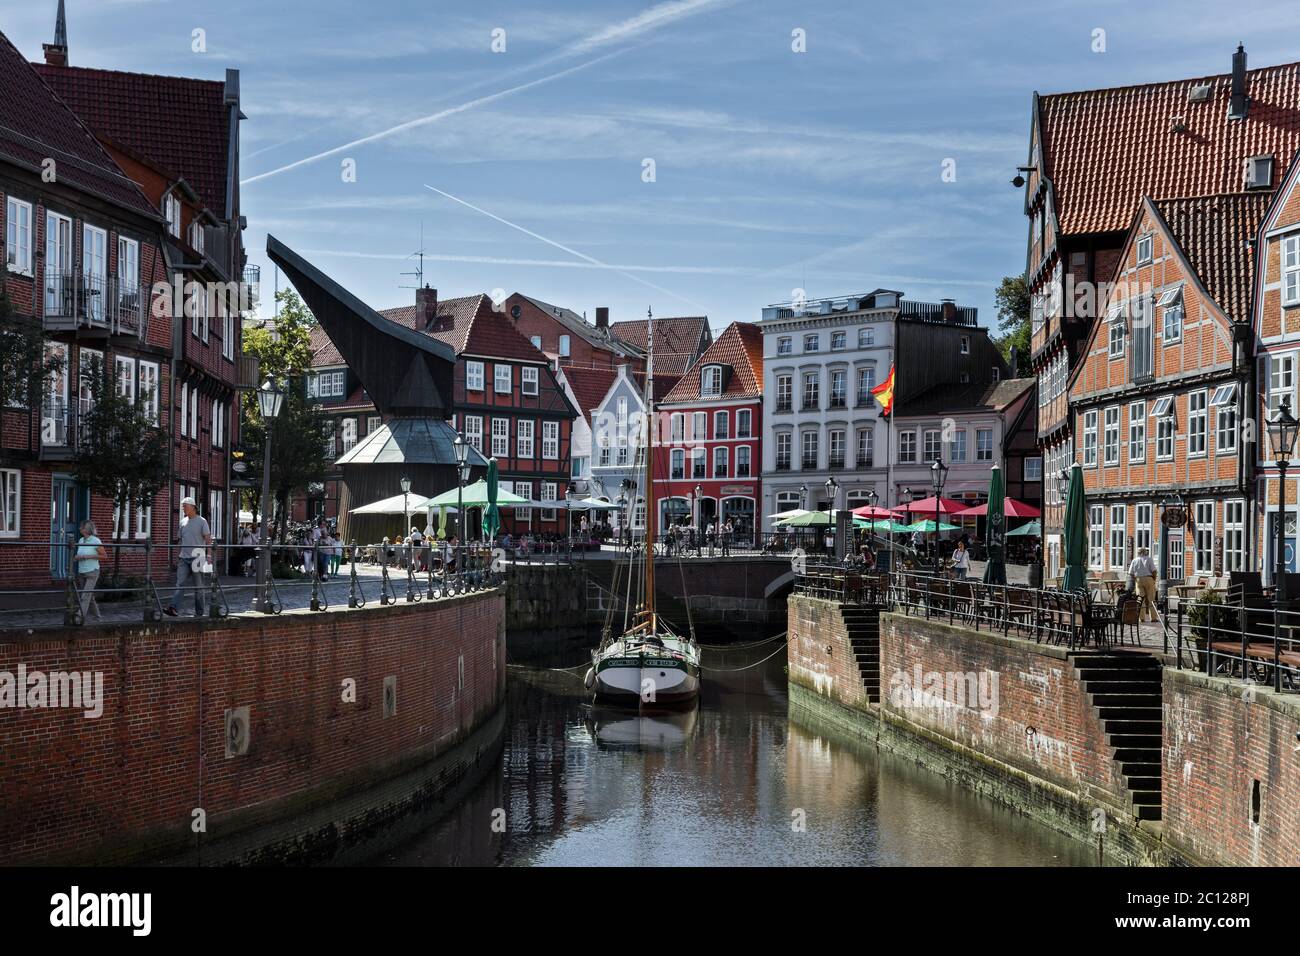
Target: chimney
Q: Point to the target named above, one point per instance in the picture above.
(602, 317)
(949, 311)
(56, 53)
(1240, 102)
(426, 308)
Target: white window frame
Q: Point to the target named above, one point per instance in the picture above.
(1147, 254)
(907, 446)
(1198, 424)
(149, 389)
(473, 376)
(747, 416)
(11, 502)
(144, 522)
(744, 463)
(1090, 437)
(867, 337)
(185, 409)
(1118, 537)
(524, 445)
(550, 440)
(18, 235)
(980, 452)
(124, 376)
(711, 381)
(349, 432)
(503, 378)
(1203, 540)
(722, 426)
(1137, 433)
(474, 432)
(500, 437)
(1234, 535)
(1110, 436)
(1142, 524)
(1096, 537)
(528, 380)
(720, 455)
(1290, 259)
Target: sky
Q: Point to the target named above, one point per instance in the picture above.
(696, 157)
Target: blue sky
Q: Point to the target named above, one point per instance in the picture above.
(774, 170)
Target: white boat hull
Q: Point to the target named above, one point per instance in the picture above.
(647, 676)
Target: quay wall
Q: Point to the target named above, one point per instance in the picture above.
(250, 738)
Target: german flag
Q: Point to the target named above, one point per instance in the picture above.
(884, 393)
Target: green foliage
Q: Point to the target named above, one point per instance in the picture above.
(24, 360)
(1013, 305)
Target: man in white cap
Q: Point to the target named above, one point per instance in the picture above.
(196, 538)
(1143, 572)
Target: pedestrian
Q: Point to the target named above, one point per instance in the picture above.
(960, 561)
(336, 555)
(90, 551)
(728, 529)
(417, 549)
(195, 539)
(1142, 570)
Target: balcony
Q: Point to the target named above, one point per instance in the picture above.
(59, 430)
(252, 288)
(75, 302)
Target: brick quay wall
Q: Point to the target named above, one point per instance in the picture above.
(250, 738)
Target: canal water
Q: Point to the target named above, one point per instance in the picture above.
(740, 780)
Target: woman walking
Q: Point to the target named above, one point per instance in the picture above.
(90, 551)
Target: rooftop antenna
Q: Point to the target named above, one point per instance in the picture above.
(419, 269)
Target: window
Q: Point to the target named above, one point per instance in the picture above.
(1145, 249)
(349, 434)
(1281, 383)
(957, 446)
(983, 444)
(564, 346)
(549, 492)
(678, 464)
(1165, 438)
(839, 388)
(743, 417)
(742, 461)
(474, 432)
(866, 448)
(839, 341)
(698, 463)
(196, 236)
(1096, 554)
(172, 213)
(1224, 403)
(500, 437)
(503, 379)
(474, 376)
(524, 489)
(1137, 432)
(536, 340)
(216, 499)
(227, 330)
(1116, 328)
(372, 423)
(1118, 534)
(838, 448)
(528, 380)
(995, 374)
(1176, 558)
(578, 466)
(809, 450)
(965, 345)
(149, 390)
(18, 235)
(1034, 468)
(811, 343)
(866, 337)
(1110, 438)
(1234, 536)
(784, 393)
(866, 382)
(121, 520)
(327, 384)
(551, 440)
(711, 381)
(1197, 421)
(524, 438)
(907, 447)
(1204, 538)
(1141, 350)
(126, 378)
(785, 345)
(327, 439)
(94, 268)
(1089, 438)
(719, 463)
(1291, 270)
(783, 452)
(1142, 527)
(144, 521)
(933, 444)
(811, 386)
(219, 427)
(11, 502)
(677, 427)
(1171, 304)
(721, 425)
(699, 426)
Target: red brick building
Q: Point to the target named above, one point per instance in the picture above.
(710, 426)
(567, 337)
(679, 341)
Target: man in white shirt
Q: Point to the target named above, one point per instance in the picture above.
(1143, 572)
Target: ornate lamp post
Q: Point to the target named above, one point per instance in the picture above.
(1282, 433)
(410, 550)
(570, 496)
(938, 475)
(832, 486)
(270, 400)
(462, 473)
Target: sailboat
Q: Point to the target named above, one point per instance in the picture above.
(647, 664)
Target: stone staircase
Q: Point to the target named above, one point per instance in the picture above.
(863, 625)
(1125, 692)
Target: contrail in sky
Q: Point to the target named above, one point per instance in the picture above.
(563, 248)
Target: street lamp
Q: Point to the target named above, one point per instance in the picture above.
(832, 486)
(803, 497)
(410, 550)
(938, 475)
(462, 473)
(570, 496)
(1282, 433)
(1062, 485)
(269, 402)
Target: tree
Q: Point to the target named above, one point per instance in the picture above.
(24, 360)
(1013, 305)
(283, 349)
(122, 452)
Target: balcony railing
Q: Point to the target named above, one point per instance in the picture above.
(74, 300)
(60, 427)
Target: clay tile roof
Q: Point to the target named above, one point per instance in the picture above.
(471, 326)
(178, 123)
(678, 340)
(1213, 232)
(1103, 150)
(590, 385)
(36, 125)
(324, 353)
(739, 346)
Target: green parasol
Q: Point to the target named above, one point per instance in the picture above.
(1030, 529)
(491, 514)
(995, 571)
(1076, 534)
(927, 526)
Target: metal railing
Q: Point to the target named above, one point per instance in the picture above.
(1243, 634)
(72, 299)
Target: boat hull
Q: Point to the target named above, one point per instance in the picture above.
(646, 680)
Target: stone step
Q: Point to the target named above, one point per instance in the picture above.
(1123, 687)
(1125, 700)
(1132, 713)
(1147, 813)
(1128, 741)
(1115, 674)
(1147, 755)
(1152, 727)
(1092, 659)
(1147, 784)
(1150, 798)
(1139, 768)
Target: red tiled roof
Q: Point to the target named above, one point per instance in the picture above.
(179, 123)
(472, 326)
(1213, 232)
(36, 125)
(1103, 150)
(590, 385)
(678, 340)
(324, 353)
(739, 346)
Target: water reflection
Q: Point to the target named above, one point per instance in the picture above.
(739, 780)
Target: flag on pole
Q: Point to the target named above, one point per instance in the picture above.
(884, 392)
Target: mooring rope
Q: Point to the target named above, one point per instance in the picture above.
(732, 670)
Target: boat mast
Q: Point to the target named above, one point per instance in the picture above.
(651, 512)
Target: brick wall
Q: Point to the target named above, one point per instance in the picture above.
(1218, 743)
(819, 654)
(124, 786)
